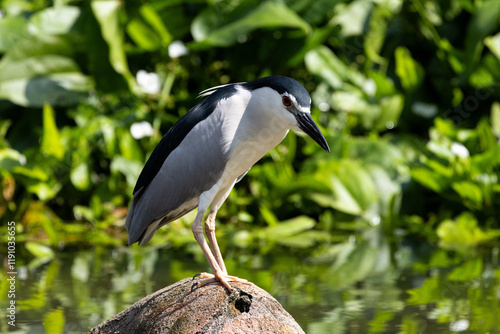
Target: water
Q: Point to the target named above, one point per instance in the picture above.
(78, 289)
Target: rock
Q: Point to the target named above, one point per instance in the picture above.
(207, 309)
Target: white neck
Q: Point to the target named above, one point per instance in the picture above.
(254, 125)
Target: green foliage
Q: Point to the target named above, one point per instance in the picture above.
(406, 93)
(410, 72)
(38, 65)
(209, 32)
(462, 234)
(55, 321)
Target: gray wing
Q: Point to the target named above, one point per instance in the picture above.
(193, 167)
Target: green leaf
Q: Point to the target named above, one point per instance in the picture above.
(318, 37)
(387, 190)
(427, 293)
(384, 85)
(487, 140)
(51, 140)
(130, 168)
(469, 271)
(80, 268)
(441, 259)
(142, 35)
(352, 17)
(462, 233)
(9, 159)
(39, 250)
(409, 71)
(352, 188)
(495, 119)
(376, 34)
(325, 200)
(354, 102)
(269, 217)
(380, 152)
(54, 321)
(493, 43)
(287, 228)
(304, 239)
(266, 15)
(108, 129)
(107, 13)
(80, 176)
(54, 20)
(380, 322)
(12, 30)
(206, 22)
(430, 179)
(325, 64)
(470, 193)
(481, 78)
(45, 191)
(357, 261)
(61, 89)
(391, 108)
(342, 199)
(38, 71)
(35, 173)
(242, 239)
(156, 22)
(484, 22)
(129, 147)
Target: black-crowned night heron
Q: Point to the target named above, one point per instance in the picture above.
(199, 160)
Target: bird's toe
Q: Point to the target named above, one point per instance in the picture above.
(224, 279)
(203, 275)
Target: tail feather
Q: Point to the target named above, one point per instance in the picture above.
(132, 229)
(149, 232)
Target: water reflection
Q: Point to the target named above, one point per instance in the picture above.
(77, 290)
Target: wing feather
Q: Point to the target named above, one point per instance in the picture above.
(188, 161)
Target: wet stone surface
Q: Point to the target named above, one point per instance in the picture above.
(180, 308)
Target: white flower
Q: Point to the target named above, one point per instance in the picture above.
(177, 49)
(323, 106)
(459, 150)
(22, 273)
(141, 129)
(22, 159)
(423, 109)
(149, 82)
(369, 87)
(459, 325)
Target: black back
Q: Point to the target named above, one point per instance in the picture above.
(282, 85)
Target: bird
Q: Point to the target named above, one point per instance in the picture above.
(212, 147)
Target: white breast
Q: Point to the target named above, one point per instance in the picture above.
(251, 129)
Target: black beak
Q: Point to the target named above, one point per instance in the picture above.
(307, 125)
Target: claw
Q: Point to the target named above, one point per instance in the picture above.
(220, 278)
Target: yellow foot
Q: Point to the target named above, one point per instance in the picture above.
(224, 279)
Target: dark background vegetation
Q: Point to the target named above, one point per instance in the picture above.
(405, 92)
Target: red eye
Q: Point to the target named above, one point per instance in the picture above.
(286, 101)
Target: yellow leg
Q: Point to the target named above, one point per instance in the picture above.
(219, 275)
(197, 229)
(210, 233)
